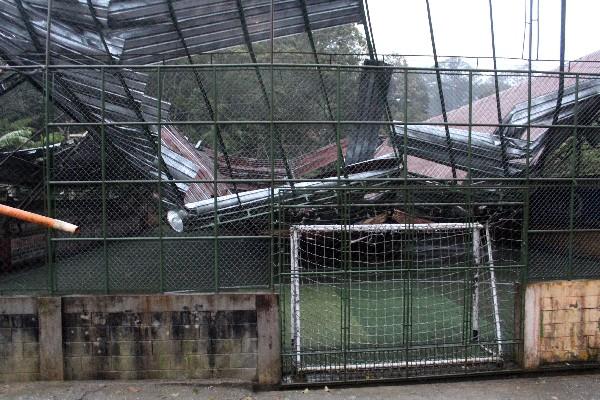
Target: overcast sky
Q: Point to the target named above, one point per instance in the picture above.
(461, 27)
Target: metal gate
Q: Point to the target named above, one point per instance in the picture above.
(370, 291)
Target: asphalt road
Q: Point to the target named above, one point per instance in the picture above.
(551, 387)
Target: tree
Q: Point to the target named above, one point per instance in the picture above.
(456, 85)
(417, 89)
(299, 94)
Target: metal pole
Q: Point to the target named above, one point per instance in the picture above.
(574, 175)
(340, 164)
(497, 88)
(48, 152)
(215, 167)
(441, 94)
(295, 296)
(159, 184)
(467, 296)
(526, 195)
(271, 147)
(561, 81)
(103, 178)
(406, 305)
(475, 305)
(488, 239)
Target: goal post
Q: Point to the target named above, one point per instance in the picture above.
(437, 238)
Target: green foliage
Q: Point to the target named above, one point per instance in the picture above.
(418, 97)
(15, 139)
(23, 139)
(21, 108)
(298, 93)
(573, 159)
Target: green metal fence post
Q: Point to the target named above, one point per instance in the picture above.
(103, 179)
(48, 164)
(338, 127)
(526, 195)
(215, 181)
(159, 184)
(271, 152)
(406, 314)
(574, 176)
(468, 273)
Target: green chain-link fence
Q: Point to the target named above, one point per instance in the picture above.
(187, 187)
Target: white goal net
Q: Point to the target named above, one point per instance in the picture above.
(428, 289)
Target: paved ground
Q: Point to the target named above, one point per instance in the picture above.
(558, 387)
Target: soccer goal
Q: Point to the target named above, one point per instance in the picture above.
(368, 283)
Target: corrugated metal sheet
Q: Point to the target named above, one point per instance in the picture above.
(212, 25)
(141, 32)
(427, 148)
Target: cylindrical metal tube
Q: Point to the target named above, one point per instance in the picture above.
(38, 219)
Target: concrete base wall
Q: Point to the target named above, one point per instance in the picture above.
(562, 322)
(138, 337)
(19, 339)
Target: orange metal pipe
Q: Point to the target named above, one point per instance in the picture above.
(38, 219)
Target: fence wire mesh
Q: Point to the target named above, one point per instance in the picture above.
(218, 145)
(192, 177)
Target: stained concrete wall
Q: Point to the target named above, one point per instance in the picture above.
(562, 322)
(19, 344)
(137, 337)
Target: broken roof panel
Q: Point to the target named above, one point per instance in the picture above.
(544, 93)
(141, 32)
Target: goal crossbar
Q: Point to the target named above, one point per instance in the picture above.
(386, 227)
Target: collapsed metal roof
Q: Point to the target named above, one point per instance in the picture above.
(429, 158)
(429, 142)
(426, 147)
(96, 32)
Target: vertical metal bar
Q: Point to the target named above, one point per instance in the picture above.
(537, 36)
(525, 246)
(132, 103)
(346, 245)
(203, 93)
(467, 299)
(366, 26)
(159, 184)
(295, 296)
(475, 305)
(215, 183)
(51, 271)
(271, 148)
(561, 77)
(449, 145)
(341, 205)
(406, 306)
(313, 47)
(103, 178)
(574, 176)
(338, 126)
(526, 195)
(497, 89)
(261, 83)
(497, 322)
(561, 82)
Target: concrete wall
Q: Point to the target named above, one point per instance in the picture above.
(562, 322)
(137, 337)
(19, 345)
